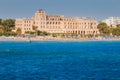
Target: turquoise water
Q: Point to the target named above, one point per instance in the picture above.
(60, 61)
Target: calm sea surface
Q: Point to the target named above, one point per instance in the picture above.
(60, 61)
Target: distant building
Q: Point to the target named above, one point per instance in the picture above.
(57, 24)
(112, 21)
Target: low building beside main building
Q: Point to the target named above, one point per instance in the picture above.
(24, 24)
(57, 24)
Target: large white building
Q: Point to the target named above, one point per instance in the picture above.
(57, 24)
(112, 21)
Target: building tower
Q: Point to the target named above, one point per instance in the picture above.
(40, 20)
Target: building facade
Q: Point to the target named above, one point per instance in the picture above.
(24, 24)
(112, 21)
(57, 24)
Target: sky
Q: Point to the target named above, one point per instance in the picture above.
(99, 9)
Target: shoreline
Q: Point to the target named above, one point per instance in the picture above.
(51, 39)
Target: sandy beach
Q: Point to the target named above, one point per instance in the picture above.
(48, 38)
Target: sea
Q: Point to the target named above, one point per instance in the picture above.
(92, 60)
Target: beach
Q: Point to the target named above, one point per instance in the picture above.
(49, 38)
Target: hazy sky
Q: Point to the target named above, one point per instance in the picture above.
(99, 9)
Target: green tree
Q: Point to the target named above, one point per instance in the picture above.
(54, 35)
(6, 29)
(116, 31)
(104, 29)
(8, 22)
(18, 31)
(30, 32)
(45, 33)
(39, 32)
